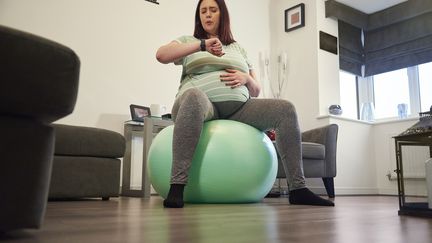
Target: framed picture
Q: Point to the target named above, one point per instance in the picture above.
(139, 112)
(328, 42)
(295, 17)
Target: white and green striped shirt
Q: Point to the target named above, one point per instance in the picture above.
(202, 70)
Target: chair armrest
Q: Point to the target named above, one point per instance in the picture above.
(39, 76)
(326, 135)
(88, 141)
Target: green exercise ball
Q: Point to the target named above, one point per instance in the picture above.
(233, 163)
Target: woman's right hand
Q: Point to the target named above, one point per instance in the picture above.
(214, 47)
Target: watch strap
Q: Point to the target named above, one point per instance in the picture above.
(203, 45)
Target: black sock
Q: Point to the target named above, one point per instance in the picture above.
(175, 196)
(304, 196)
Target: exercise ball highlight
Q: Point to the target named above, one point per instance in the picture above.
(233, 163)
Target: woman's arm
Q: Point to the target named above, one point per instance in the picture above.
(173, 51)
(235, 78)
(253, 85)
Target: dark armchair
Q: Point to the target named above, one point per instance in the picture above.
(39, 85)
(319, 155)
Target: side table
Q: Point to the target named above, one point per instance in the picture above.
(148, 130)
(416, 206)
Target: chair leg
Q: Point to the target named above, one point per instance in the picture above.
(329, 186)
(272, 193)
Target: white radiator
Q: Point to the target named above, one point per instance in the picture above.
(413, 159)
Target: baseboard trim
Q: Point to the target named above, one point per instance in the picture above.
(388, 191)
(340, 191)
(347, 191)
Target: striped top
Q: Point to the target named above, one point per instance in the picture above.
(202, 70)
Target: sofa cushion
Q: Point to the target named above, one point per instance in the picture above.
(78, 177)
(87, 141)
(313, 150)
(39, 76)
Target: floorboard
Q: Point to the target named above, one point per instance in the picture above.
(353, 219)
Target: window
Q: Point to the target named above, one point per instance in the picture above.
(425, 80)
(411, 86)
(348, 94)
(390, 89)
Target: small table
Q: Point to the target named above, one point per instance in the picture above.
(146, 130)
(411, 208)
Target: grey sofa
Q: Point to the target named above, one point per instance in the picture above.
(86, 163)
(39, 85)
(319, 156)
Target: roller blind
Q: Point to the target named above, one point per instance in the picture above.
(351, 52)
(394, 38)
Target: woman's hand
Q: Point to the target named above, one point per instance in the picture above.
(214, 46)
(234, 78)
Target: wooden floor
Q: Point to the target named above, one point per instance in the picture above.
(365, 219)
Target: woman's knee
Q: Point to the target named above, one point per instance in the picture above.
(193, 95)
(193, 102)
(286, 107)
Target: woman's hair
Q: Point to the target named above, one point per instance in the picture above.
(224, 32)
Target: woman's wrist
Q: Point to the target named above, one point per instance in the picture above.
(202, 45)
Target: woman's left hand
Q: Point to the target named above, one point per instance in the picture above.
(234, 78)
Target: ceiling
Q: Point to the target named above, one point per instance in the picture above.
(370, 6)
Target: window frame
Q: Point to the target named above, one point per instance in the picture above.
(357, 93)
(366, 93)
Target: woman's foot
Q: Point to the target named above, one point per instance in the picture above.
(304, 196)
(175, 196)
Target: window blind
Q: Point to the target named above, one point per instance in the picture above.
(394, 38)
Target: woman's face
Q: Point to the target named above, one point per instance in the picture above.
(210, 16)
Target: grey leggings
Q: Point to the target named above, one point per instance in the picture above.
(193, 108)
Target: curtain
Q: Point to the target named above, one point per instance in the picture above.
(394, 38)
(351, 53)
(403, 44)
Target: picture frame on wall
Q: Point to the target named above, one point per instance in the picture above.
(295, 17)
(328, 42)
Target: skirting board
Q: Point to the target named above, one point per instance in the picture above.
(339, 191)
(347, 191)
(388, 191)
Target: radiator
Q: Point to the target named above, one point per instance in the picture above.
(413, 159)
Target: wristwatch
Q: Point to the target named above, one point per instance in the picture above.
(203, 45)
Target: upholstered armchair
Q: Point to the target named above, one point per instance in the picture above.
(319, 156)
(39, 85)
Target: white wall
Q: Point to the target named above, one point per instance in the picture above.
(117, 40)
(313, 85)
(328, 63)
(302, 75)
(313, 74)
(355, 158)
(384, 156)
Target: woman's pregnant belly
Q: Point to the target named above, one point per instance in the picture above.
(211, 84)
